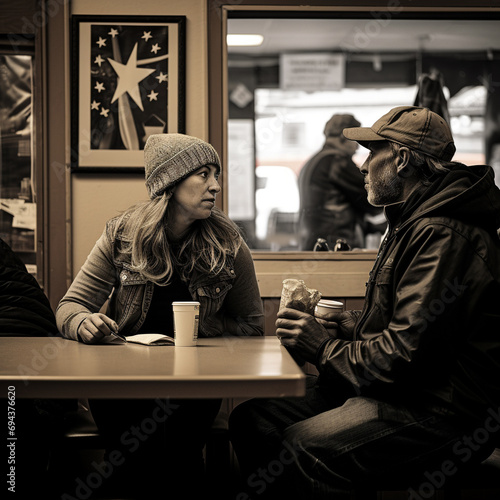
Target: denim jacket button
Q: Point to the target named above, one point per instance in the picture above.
(217, 289)
(232, 271)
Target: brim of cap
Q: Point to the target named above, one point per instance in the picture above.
(362, 134)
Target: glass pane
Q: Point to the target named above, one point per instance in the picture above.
(282, 93)
(17, 194)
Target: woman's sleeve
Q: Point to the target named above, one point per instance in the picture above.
(89, 290)
(243, 313)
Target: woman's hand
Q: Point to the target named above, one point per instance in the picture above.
(94, 328)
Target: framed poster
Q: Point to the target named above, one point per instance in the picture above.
(128, 82)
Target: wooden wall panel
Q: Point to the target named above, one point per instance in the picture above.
(21, 17)
(334, 274)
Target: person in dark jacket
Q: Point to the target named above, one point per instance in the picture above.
(25, 311)
(408, 388)
(333, 201)
(24, 308)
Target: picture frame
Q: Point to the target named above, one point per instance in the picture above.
(128, 82)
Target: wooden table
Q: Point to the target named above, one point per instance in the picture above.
(239, 367)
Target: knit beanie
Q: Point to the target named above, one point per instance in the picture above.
(169, 158)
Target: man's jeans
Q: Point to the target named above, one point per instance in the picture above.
(322, 447)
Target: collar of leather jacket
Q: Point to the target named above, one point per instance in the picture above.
(466, 193)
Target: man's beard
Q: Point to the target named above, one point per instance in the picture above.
(385, 190)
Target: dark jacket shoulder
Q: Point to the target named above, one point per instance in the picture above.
(24, 308)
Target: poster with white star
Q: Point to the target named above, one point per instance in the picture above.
(128, 83)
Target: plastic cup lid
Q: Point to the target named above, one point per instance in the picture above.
(186, 304)
(334, 304)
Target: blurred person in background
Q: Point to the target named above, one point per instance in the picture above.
(333, 202)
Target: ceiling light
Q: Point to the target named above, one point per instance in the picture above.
(244, 40)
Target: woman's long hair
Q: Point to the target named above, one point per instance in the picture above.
(205, 247)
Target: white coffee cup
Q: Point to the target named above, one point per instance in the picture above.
(325, 306)
(186, 318)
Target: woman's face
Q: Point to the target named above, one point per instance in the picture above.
(194, 197)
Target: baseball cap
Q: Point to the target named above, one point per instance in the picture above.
(417, 128)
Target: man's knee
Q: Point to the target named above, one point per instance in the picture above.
(300, 440)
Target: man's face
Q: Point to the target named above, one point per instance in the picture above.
(382, 182)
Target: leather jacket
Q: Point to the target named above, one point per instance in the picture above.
(429, 332)
(230, 301)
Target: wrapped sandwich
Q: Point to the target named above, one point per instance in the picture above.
(296, 295)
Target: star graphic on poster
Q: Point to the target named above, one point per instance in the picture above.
(128, 83)
(162, 77)
(129, 76)
(99, 60)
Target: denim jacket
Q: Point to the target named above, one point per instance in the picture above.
(230, 301)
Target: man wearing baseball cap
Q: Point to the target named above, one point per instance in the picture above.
(405, 384)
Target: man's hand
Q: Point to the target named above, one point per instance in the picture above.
(339, 324)
(94, 328)
(301, 333)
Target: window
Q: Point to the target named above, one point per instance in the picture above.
(384, 54)
(17, 178)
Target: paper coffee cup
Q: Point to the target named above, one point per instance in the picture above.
(186, 318)
(325, 306)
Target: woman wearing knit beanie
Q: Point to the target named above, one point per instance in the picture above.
(176, 246)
